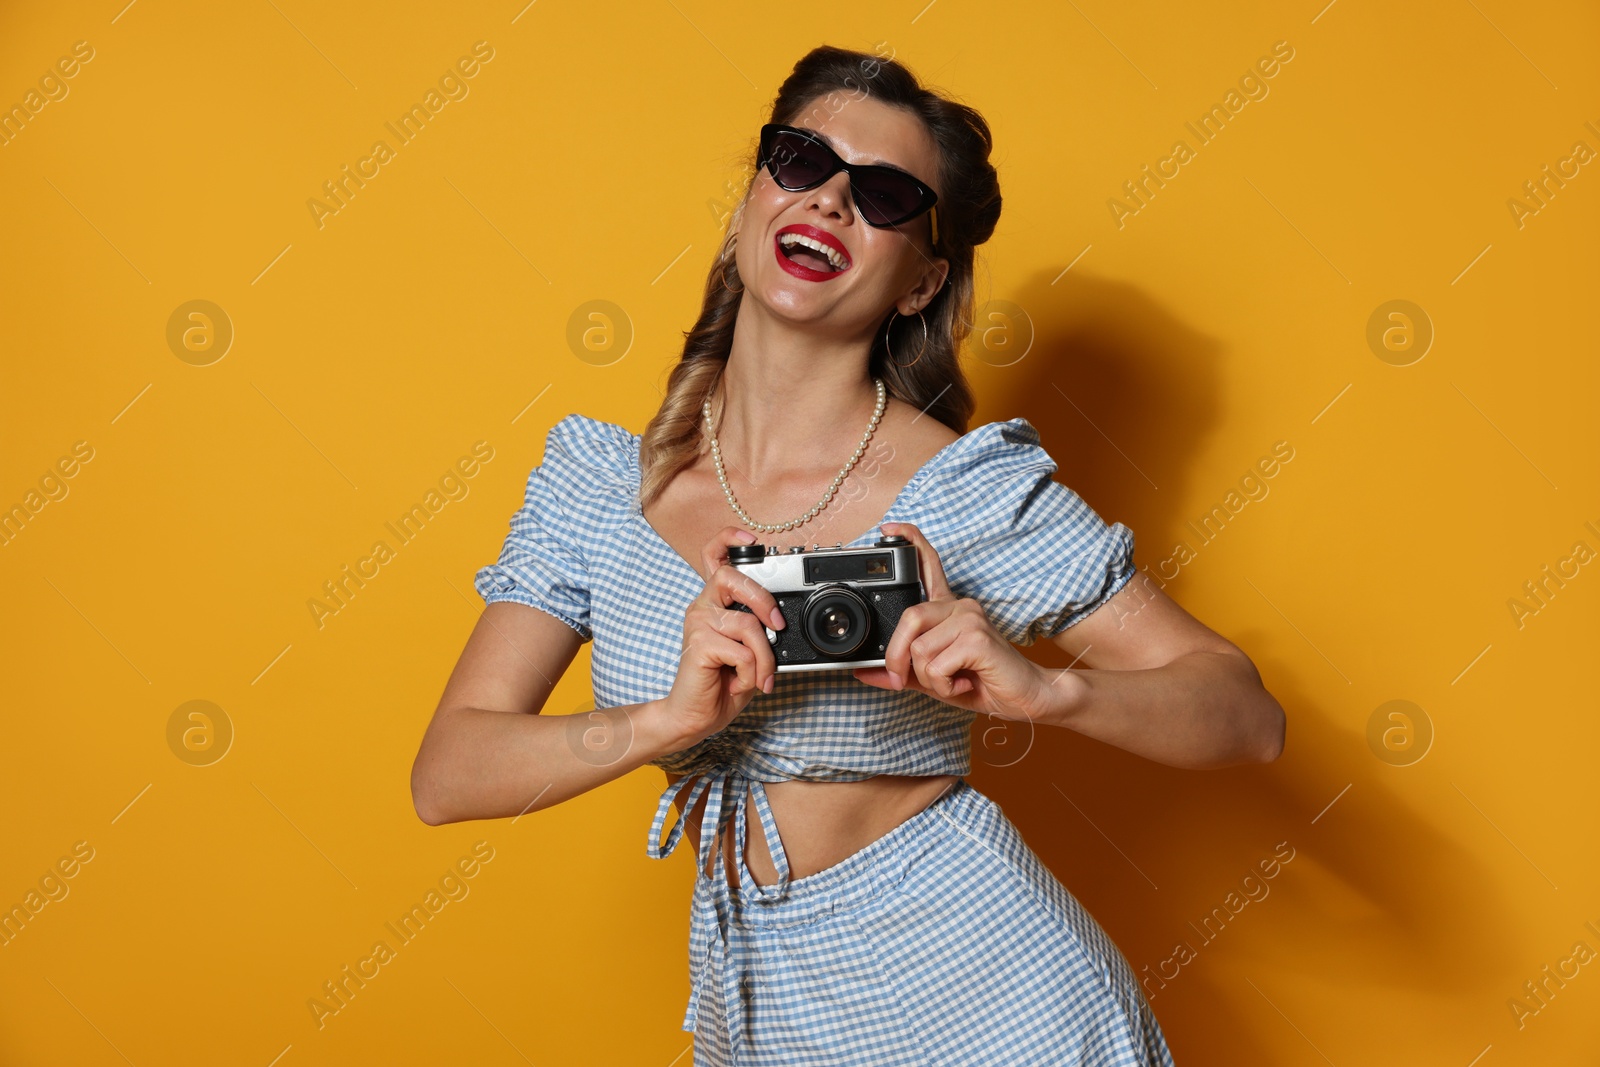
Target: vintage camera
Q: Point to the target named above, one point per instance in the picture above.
(840, 605)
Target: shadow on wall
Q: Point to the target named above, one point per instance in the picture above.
(1166, 845)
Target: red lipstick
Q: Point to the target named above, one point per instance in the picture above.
(799, 270)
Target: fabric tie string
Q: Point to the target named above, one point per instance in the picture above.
(718, 785)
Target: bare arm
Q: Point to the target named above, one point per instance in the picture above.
(489, 752)
(1162, 684)
(1159, 683)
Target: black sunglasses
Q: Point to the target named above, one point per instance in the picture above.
(797, 160)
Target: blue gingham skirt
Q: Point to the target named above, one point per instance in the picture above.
(944, 942)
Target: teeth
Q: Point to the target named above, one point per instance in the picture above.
(790, 239)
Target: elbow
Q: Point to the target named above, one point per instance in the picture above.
(427, 813)
(1269, 746)
(426, 809)
(1269, 725)
(1273, 747)
(424, 796)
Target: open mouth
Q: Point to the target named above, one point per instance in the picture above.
(807, 256)
(810, 252)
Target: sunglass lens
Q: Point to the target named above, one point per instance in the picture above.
(797, 162)
(884, 197)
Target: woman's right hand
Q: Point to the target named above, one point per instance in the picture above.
(726, 656)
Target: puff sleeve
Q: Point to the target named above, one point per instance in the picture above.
(1028, 548)
(542, 562)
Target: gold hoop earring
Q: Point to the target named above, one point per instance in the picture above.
(722, 265)
(904, 366)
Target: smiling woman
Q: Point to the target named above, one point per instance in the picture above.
(886, 912)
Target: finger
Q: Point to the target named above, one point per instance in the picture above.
(878, 677)
(928, 565)
(715, 650)
(730, 585)
(747, 591)
(965, 653)
(915, 621)
(715, 552)
(929, 648)
(745, 628)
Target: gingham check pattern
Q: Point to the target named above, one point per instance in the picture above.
(945, 942)
(1027, 547)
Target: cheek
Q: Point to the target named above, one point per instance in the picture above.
(752, 238)
(767, 199)
(889, 260)
(760, 213)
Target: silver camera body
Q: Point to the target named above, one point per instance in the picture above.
(840, 605)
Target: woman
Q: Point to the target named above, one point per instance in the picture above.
(887, 912)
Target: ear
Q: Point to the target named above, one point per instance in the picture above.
(927, 287)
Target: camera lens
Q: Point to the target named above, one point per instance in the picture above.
(835, 620)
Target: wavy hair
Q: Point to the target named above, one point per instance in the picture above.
(969, 208)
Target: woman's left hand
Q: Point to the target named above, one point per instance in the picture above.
(947, 647)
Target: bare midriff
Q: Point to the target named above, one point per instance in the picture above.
(819, 823)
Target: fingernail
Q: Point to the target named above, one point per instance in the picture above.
(777, 619)
(897, 681)
(744, 535)
(766, 687)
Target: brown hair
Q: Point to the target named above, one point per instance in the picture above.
(969, 207)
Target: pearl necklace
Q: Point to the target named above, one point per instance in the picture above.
(779, 527)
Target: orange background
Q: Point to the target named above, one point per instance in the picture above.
(594, 157)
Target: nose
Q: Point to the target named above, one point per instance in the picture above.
(832, 197)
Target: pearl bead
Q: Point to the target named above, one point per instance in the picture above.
(727, 490)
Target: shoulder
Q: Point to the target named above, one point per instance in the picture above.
(589, 450)
(1012, 441)
(592, 441)
(992, 482)
(589, 466)
(989, 457)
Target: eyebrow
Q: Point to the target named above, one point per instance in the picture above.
(825, 139)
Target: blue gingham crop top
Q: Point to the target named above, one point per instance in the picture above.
(1028, 548)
